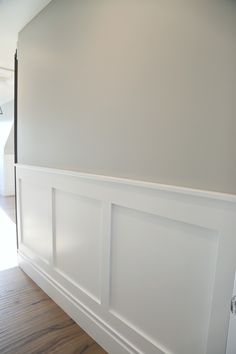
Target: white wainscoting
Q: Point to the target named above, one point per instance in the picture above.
(142, 267)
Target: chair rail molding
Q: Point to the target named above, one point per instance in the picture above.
(142, 267)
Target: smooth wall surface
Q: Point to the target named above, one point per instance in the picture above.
(137, 89)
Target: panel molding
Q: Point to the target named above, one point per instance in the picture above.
(179, 207)
(78, 231)
(208, 238)
(76, 285)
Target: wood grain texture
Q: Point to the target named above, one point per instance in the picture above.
(30, 322)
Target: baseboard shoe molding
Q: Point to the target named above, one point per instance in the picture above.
(89, 322)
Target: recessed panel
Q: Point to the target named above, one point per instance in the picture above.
(78, 240)
(162, 275)
(36, 219)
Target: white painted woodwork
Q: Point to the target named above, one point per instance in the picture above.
(231, 342)
(78, 237)
(142, 267)
(35, 224)
(157, 251)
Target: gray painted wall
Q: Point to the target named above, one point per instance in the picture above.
(141, 89)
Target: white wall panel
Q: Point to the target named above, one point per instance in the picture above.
(36, 219)
(78, 240)
(143, 268)
(167, 264)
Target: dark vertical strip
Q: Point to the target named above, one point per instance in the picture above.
(15, 106)
(15, 135)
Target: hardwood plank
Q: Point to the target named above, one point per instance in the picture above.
(30, 322)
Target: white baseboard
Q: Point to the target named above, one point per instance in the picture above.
(140, 266)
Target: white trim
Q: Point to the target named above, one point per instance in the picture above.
(137, 183)
(93, 236)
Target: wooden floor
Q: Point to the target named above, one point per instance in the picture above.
(30, 322)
